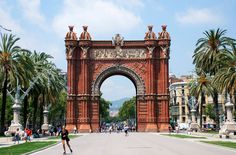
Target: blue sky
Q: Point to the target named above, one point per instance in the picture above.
(42, 25)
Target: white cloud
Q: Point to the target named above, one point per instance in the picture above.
(130, 3)
(102, 17)
(198, 16)
(31, 11)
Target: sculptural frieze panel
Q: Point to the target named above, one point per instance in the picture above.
(118, 53)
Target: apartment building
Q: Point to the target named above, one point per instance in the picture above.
(179, 98)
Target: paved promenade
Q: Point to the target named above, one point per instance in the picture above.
(136, 144)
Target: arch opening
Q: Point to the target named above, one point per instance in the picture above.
(120, 91)
(118, 70)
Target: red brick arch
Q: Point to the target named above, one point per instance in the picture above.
(144, 62)
(118, 70)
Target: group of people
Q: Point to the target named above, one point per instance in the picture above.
(55, 130)
(26, 134)
(22, 135)
(175, 128)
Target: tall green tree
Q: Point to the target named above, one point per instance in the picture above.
(40, 62)
(200, 87)
(104, 109)
(53, 82)
(205, 57)
(128, 109)
(10, 66)
(225, 79)
(209, 111)
(57, 111)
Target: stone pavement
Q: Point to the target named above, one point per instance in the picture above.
(136, 144)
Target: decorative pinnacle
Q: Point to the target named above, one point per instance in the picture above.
(85, 27)
(71, 28)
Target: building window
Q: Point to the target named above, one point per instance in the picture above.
(174, 97)
(183, 95)
(183, 110)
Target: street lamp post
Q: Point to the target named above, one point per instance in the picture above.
(230, 125)
(17, 101)
(45, 126)
(192, 103)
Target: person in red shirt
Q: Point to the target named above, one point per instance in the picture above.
(28, 134)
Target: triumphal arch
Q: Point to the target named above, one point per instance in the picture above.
(144, 62)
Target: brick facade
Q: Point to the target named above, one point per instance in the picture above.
(144, 62)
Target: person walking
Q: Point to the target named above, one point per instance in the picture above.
(170, 129)
(64, 138)
(29, 133)
(17, 136)
(26, 135)
(126, 128)
(75, 130)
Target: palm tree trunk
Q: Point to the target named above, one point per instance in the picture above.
(41, 111)
(202, 103)
(41, 116)
(215, 100)
(4, 102)
(25, 111)
(35, 103)
(234, 101)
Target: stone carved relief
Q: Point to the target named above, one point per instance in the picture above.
(71, 35)
(85, 34)
(164, 34)
(165, 50)
(69, 51)
(85, 51)
(150, 35)
(150, 49)
(117, 40)
(118, 69)
(117, 53)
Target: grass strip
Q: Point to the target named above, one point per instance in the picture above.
(19, 149)
(222, 143)
(182, 136)
(59, 137)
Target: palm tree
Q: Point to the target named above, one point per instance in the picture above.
(25, 77)
(205, 57)
(9, 66)
(200, 87)
(225, 79)
(54, 83)
(49, 85)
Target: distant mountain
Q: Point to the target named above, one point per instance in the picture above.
(117, 104)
